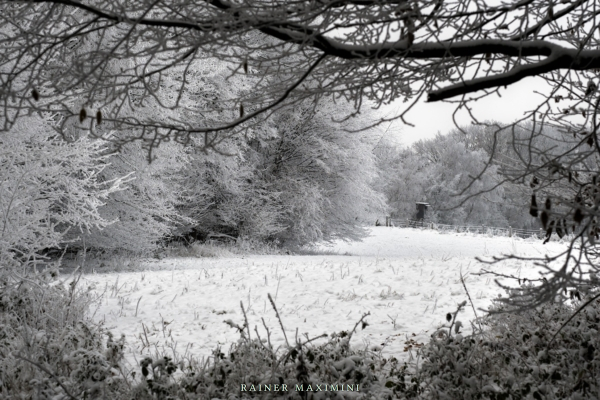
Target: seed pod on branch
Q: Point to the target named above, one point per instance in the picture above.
(534, 182)
(533, 209)
(578, 216)
(544, 219)
(595, 230)
(559, 229)
(549, 232)
(591, 88)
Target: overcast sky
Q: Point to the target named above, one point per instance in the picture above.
(431, 118)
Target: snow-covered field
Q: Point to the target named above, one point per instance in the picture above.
(408, 279)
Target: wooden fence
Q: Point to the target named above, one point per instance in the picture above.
(482, 230)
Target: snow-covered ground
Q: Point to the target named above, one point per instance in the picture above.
(408, 279)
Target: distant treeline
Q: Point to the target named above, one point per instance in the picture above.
(471, 176)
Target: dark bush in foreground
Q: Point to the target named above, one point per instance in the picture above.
(516, 357)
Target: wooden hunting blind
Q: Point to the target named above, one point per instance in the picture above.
(421, 208)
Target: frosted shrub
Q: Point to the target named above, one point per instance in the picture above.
(253, 363)
(48, 349)
(144, 214)
(515, 357)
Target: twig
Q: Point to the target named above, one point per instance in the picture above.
(268, 332)
(323, 335)
(245, 319)
(361, 320)
(146, 335)
(454, 315)
(278, 282)
(278, 318)
(462, 280)
(138, 304)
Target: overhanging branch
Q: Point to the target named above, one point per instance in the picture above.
(554, 56)
(489, 82)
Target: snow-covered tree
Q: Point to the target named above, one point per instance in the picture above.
(441, 171)
(50, 190)
(222, 196)
(301, 179)
(145, 213)
(404, 179)
(325, 172)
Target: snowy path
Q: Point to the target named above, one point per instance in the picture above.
(407, 279)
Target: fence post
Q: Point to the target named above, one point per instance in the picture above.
(510, 232)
